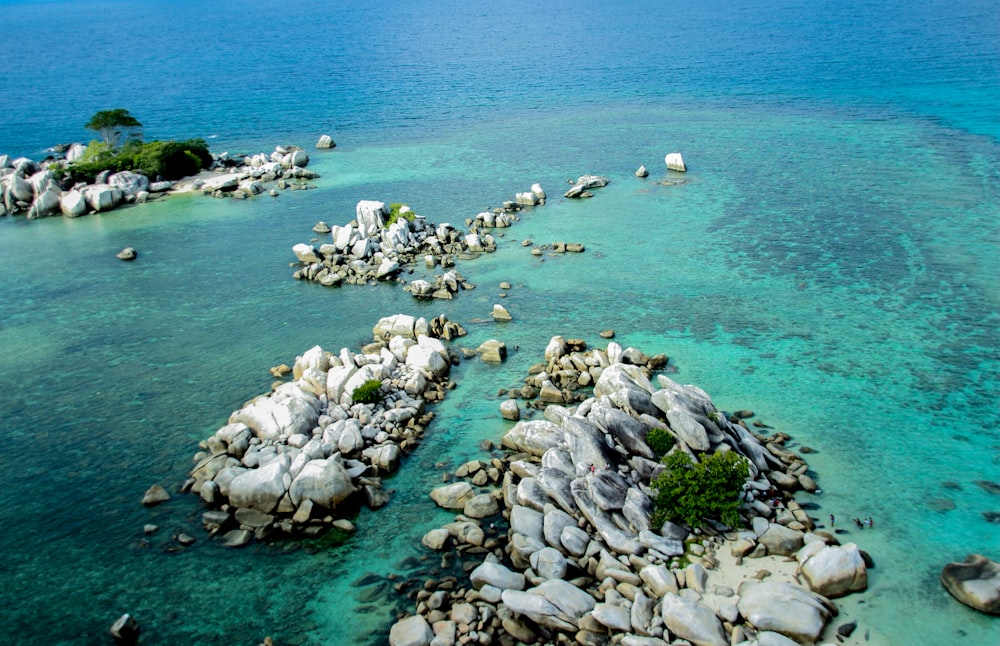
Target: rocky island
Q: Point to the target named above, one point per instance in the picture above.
(571, 547)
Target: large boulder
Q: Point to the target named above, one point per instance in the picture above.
(534, 437)
(834, 571)
(411, 631)
(496, 575)
(305, 252)
(73, 204)
(101, 197)
(261, 488)
(692, 621)
(537, 608)
(675, 161)
(975, 582)
(287, 411)
(785, 608)
(371, 217)
(46, 204)
(20, 189)
(453, 496)
(572, 602)
(780, 540)
(130, 183)
(324, 482)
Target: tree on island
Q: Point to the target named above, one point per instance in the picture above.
(112, 124)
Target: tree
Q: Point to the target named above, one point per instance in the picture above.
(691, 492)
(112, 124)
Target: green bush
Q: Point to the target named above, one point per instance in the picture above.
(167, 159)
(660, 441)
(172, 159)
(394, 214)
(369, 392)
(690, 493)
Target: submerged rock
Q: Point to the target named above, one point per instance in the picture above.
(975, 582)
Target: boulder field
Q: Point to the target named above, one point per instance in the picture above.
(299, 458)
(378, 245)
(571, 554)
(39, 190)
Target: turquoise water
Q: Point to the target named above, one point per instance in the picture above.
(829, 261)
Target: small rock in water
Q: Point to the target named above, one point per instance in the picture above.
(675, 161)
(155, 495)
(125, 630)
(642, 172)
(128, 253)
(992, 516)
(846, 630)
(150, 528)
(500, 313)
(607, 334)
(185, 539)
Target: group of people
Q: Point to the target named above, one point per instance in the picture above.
(867, 522)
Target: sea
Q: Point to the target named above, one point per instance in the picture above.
(830, 261)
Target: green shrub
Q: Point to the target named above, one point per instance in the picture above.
(369, 392)
(167, 159)
(690, 493)
(172, 159)
(394, 214)
(660, 441)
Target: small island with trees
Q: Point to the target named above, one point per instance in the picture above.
(121, 168)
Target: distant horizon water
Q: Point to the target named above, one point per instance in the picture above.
(829, 261)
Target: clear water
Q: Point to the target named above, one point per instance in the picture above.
(829, 261)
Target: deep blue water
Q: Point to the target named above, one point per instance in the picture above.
(830, 262)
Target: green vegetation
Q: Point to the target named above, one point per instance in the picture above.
(169, 160)
(112, 124)
(394, 214)
(690, 493)
(369, 392)
(660, 441)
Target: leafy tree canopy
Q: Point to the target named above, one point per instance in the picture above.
(112, 124)
(690, 492)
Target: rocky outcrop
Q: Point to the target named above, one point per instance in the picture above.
(975, 582)
(583, 184)
(382, 244)
(578, 559)
(297, 458)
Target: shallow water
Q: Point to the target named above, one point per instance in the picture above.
(828, 261)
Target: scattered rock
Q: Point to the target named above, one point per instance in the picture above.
(128, 253)
(325, 142)
(125, 630)
(975, 582)
(155, 495)
(642, 172)
(675, 161)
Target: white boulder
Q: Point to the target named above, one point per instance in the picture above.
(675, 161)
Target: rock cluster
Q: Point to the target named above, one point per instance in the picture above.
(380, 245)
(583, 184)
(294, 459)
(28, 187)
(579, 561)
(39, 192)
(244, 176)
